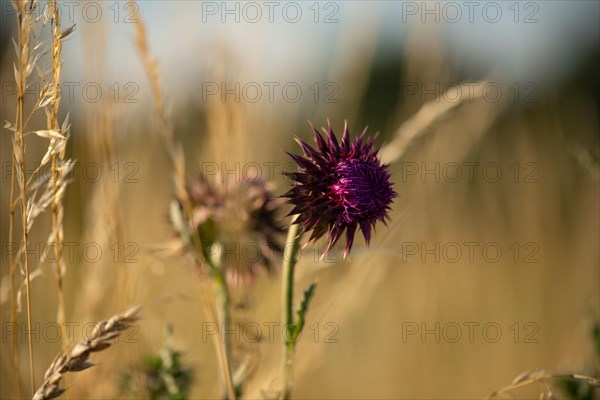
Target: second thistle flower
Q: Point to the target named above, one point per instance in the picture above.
(241, 217)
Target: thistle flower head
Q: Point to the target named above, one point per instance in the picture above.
(240, 216)
(339, 187)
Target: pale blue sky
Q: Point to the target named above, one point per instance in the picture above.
(528, 39)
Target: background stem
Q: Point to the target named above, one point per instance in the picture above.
(222, 305)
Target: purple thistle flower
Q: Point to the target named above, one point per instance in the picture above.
(339, 187)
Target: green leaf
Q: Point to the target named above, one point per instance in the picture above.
(306, 298)
(178, 220)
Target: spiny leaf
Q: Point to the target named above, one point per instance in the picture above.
(304, 304)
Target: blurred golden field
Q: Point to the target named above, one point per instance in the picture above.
(490, 266)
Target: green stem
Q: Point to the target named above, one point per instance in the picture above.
(292, 246)
(222, 304)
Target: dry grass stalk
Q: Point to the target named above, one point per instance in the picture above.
(103, 208)
(22, 71)
(174, 150)
(425, 118)
(12, 272)
(176, 157)
(77, 359)
(541, 377)
(28, 53)
(57, 236)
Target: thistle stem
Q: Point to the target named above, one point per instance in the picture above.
(292, 246)
(222, 305)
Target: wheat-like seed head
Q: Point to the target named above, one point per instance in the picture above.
(77, 359)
